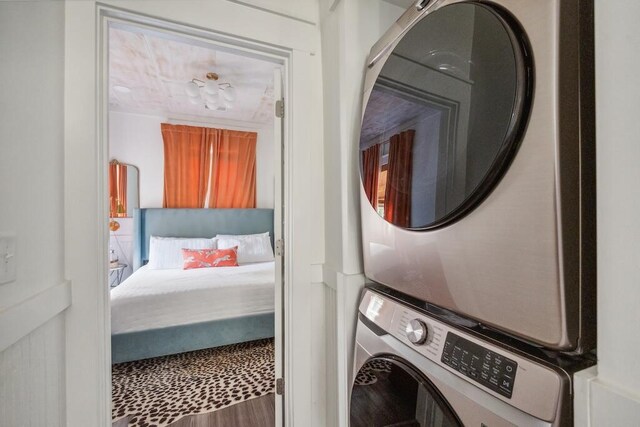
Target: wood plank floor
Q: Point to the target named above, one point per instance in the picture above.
(258, 412)
(123, 422)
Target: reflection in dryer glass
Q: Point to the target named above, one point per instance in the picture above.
(389, 393)
(442, 110)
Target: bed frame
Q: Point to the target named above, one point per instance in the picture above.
(178, 339)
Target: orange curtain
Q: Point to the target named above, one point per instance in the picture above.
(397, 198)
(117, 190)
(370, 171)
(233, 175)
(187, 159)
(207, 167)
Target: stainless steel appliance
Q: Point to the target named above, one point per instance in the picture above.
(478, 166)
(412, 369)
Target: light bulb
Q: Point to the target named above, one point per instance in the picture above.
(229, 93)
(212, 98)
(211, 87)
(192, 89)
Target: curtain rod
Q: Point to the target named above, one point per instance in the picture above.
(241, 125)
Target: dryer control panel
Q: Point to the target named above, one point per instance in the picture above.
(506, 375)
(489, 368)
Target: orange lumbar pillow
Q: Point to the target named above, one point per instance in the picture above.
(205, 258)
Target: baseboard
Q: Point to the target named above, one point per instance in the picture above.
(23, 318)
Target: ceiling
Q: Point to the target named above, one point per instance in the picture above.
(386, 111)
(155, 68)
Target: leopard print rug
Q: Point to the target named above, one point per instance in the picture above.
(156, 392)
(367, 374)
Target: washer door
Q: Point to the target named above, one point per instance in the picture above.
(446, 114)
(390, 392)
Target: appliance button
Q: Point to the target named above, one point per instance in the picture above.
(509, 368)
(506, 383)
(417, 332)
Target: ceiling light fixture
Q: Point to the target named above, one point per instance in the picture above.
(210, 93)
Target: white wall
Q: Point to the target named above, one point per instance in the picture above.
(136, 139)
(86, 243)
(31, 172)
(611, 395)
(349, 29)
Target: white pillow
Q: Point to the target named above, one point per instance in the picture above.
(166, 252)
(251, 247)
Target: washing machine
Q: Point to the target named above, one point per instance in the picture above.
(477, 165)
(413, 369)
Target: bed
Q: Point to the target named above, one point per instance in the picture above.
(162, 312)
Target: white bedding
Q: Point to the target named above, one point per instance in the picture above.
(151, 299)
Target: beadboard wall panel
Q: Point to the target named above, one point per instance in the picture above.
(331, 351)
(32, 307)
(32, 378)
(319, 347)
(341, 298)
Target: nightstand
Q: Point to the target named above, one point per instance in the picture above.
(115, 274)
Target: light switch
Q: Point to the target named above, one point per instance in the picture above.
(7, 257)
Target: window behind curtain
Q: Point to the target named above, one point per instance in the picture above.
(208, 167)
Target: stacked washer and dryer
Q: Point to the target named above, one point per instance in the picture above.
(477, 159)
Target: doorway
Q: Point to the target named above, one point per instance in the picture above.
(126, 114)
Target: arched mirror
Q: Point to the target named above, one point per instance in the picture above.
(123, 189)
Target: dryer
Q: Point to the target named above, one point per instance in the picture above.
(477, 165)
(412, 369)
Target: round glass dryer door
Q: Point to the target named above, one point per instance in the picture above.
(446, 115)
(389, 392)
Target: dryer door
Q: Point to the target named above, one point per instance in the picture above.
(445, 116)
(389, 391)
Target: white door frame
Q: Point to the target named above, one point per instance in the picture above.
(108, 15)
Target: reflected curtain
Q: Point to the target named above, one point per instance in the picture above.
(397, 198)
(187, 159)
(117, 190)
(233, 172)
(370, 173)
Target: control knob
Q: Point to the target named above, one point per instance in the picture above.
(417, 332)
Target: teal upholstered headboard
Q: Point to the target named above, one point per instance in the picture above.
(195, 223)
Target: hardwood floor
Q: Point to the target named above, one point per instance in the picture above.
(124, 422)
(258, 412)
